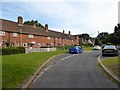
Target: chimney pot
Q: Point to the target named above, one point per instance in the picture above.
(69, 32)
(63, 31)
(20, 20)
(46, 27)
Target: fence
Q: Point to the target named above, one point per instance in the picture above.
(29, 50)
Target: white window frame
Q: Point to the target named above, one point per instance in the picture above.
(14, 34)
(48, 37)
(39, 44)
(30, 36)
(17, 44)
(25, 44)
(2, 33)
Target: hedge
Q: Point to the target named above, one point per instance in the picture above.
(87, 45)
(63, 47)
(12, 50)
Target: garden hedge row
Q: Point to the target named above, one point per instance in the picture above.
(12, 50)
(63, 47)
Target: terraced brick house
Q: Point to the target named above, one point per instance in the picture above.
(19, 34)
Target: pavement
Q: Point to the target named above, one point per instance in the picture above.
(73, 71)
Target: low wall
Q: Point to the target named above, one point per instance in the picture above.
(29, 50)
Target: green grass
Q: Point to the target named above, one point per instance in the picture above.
(87, 48)
(113, 64)
(0, 72)
(109, 77)
(18, 68)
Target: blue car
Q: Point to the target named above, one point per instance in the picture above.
(75, 49)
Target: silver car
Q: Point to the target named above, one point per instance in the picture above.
(110, 50)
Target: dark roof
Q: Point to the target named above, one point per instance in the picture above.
(11, 26)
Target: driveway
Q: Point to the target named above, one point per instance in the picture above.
(73, 71)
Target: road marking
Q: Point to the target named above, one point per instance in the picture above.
(58, 61)
(42, 72)
(67, 57)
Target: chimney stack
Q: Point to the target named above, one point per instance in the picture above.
(63, 31)
(34, 25)
(20, 21)
(46, 27)
(69, 32)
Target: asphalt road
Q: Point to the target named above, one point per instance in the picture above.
(73, 71)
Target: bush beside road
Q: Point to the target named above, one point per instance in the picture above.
(87, 48)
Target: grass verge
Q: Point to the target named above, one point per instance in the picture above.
(16, 69)
(87, 48)
(113, 65)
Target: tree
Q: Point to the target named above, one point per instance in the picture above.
(102, 36)
(32, 22)
(85, 36)
(97, 41)
(117, 33)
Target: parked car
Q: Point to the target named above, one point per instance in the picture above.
(110, 50)
(118, 47)
(75, 49)
(96, 47)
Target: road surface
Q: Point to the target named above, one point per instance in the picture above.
(73, 71)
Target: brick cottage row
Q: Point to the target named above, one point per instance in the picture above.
(18, 34)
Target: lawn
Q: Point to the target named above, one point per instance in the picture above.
(113, 64)
(18, 68)
(0, 72)
(87, 48)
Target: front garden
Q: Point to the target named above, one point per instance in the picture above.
(18, 68)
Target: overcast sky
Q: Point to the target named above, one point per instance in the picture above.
(77, 16)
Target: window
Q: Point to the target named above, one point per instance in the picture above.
(2, 33)
(24, 44)
(17, 44)
(39, 44)
(51, 43)
(30, 36)
(14, 34)
(48, 37)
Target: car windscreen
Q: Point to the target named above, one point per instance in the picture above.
(109, 47)
(74, 47)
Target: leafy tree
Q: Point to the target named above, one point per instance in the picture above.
(32, 22)
(97, 41)
(85, 36)
(102, 37)
(117, 33)
(113, 38)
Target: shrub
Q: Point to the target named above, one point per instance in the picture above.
(63, 47)
(12, 50)
(87, 45)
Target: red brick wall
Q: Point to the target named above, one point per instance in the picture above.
(37, 39)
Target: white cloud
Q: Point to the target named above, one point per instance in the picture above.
(59, 0)
(78, 16)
